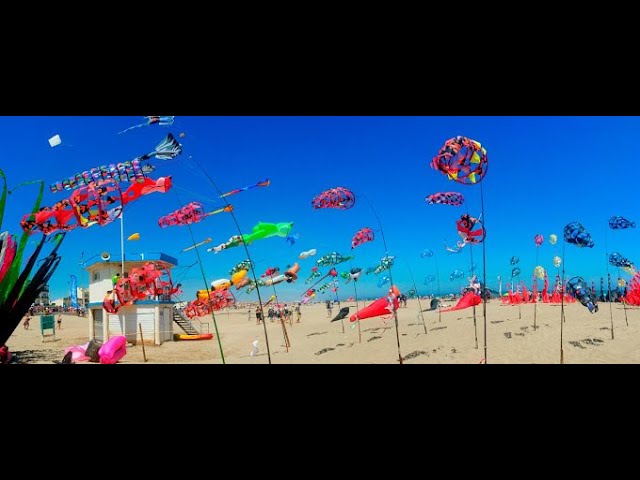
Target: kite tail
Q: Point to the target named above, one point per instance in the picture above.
(131, 128)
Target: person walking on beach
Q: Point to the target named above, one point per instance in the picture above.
(329, 309)
(26, 323)
(258, 316)
(60, 321)
(298, 313)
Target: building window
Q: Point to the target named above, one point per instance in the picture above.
(96, 276)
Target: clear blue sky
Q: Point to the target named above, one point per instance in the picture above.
(544, 172)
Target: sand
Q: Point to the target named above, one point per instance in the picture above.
(510, 339)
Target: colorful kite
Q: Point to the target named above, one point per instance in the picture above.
(539, 272)
(152, 120)
(383, 280)
(363, 235)
(445, 198)
(308, 253)
(463, 160)
(578, 288)
(469, 299)
(515, 272)
(354, 274)
(618, 223)
(264, 183)
(55, 141)
(383, 306)
(90, 205)
(314, 274)
(135, 236)
(191, 213)
(339, 197)
(131, 171)
(457, 249)
(619, 261)
(292, 238)
(471, 229)
(553, 239)
(260, 231)
(576, 234)
(557, 261)
(538, 239)
(244, 265)
(385, 264)
(334, 258)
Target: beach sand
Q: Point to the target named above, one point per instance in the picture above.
(510, 340)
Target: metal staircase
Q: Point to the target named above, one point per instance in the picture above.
(184, 323)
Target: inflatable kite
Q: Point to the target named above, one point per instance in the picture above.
(426, 253)
(383, 280)
(264, 183)
(514, 260)
(462, 160)
(362, 236)
(457, 249)
(271, 271)
(618, 223)
(152, 120)
(557, 261)
(576, 234)
(515, 272)
(353, 274)
(538, 239)
(308, 253)
(8, 247)
(314, 274)
(383, 306)
(539, 272)
(133, 237)
(429, 279)
(553, 239)
(333, 272)
(292, 273)
(456, 274)
(191, 213)
(131, 171)
(471, 229)
(292, 238)
(619, 261)
(469, 299)
(260, 231)
(385, 264)
(204, 306)
(90, 205)
(445, 198)
(334, 258)
(578, 288)
(343, 313)
(244, 265)
(339, 197)
(55, 141)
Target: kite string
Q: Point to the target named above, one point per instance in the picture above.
(484, 273)
(204, 279)
(253, 273)
(395, 313)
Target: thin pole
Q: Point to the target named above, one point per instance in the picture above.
(338, 301)
(484, 273)
(535, 303)
(355, 289)
(144, 353)
(435, 258)
(204, 279)
(475, 328)
(246, 249)
(122, 241)
(421, 315)
(562, 303)
(395, 313)
(606, 254)
(624, 303)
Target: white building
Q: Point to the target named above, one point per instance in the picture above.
(153, 314)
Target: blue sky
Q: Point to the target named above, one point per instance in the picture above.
(544, 172)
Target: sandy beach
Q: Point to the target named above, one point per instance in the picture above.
(510, 339)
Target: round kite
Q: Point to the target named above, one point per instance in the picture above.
(553, 239)
(471, 229)
(463, 160)
(619, 261)
(362, 236)
(539, 272)
(618, 223)
(514, 260)
(515, 272)
(339, 197)
(576, 234)
(557, 261)
(538, 239)
(445, 198)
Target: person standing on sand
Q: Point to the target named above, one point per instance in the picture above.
(60, 321)
(26, 323)
(329, 309)
(258, 316)
(298, 313)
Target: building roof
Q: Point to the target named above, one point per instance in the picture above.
(144, 257)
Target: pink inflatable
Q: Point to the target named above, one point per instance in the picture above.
(78, 352)
(113, 350)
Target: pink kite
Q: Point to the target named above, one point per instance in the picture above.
(469, 299)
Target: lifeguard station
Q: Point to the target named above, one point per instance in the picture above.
(48, 322)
